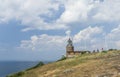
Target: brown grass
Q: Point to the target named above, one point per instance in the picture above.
(87, 65)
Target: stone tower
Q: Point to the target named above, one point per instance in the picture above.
(69, 48)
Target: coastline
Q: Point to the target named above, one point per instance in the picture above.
(95, 65)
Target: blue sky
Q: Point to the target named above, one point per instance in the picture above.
(34, 30)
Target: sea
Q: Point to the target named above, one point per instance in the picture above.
(10, 67)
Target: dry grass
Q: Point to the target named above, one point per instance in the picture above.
(87, 65)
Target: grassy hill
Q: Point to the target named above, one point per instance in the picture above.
(103, 64)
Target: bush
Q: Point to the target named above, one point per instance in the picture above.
(19, 74)
(104, 51)
(63, 58)
(84, 52)
(38, 65)
(112, 49)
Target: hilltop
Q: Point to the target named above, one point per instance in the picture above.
(102, 64)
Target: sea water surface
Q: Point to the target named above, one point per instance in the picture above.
(9, 67)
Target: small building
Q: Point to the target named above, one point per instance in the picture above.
(70, 50)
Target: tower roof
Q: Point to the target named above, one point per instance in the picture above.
(70, 42)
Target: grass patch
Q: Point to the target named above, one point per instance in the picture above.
(63, 67)
(104, 51)
(19, 74)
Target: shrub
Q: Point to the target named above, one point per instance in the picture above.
(19, 74)
(38, 65)
(112, 49)
(63, 58)
(104, 51)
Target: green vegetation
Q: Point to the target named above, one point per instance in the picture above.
(38, 65)
(112, 50)
(19, 74)
(104, 51)
(102, 64)
(63, 58)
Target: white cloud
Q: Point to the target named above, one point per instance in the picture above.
(75, 11)
(114, 37)
(87, 33)
(108, 10)
(68, 33)
(29, 12)
(88, 10)
(118, 44)
(56, 43)
(44, 42)
(114, 34)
